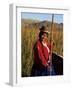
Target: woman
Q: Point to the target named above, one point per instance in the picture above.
(41, 66)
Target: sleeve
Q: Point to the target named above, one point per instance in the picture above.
(49, 48)
(40, 54)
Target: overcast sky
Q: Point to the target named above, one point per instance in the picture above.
(58, 18)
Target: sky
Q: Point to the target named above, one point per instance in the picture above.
(58, 18)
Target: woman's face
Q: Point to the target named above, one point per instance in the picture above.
(44, 37)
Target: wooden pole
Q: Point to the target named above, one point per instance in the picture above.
(51, 37)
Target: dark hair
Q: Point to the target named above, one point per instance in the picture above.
(41, 33)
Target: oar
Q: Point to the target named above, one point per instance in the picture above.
(51, 37)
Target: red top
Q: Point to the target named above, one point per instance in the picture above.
(41, 53)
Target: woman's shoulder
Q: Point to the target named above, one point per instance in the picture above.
(37, 43)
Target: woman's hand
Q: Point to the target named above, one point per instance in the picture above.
(46, 65)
